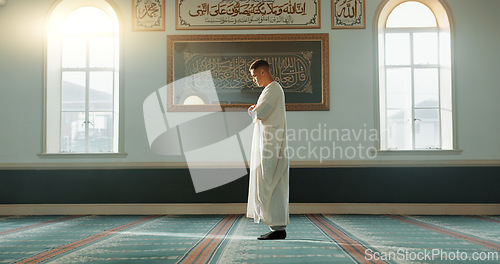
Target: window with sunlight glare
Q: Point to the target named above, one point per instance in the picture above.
(82, 79)
(414, 78)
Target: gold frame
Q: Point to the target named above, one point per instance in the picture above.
(333, 16)
(282, 26)
(134, 19)
(323, 38)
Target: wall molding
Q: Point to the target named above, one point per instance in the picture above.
(240, 208)
(229, 165)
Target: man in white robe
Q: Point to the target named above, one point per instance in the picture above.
(269, 165)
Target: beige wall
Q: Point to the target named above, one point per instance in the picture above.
(352, 81)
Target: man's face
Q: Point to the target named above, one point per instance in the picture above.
(256, 77)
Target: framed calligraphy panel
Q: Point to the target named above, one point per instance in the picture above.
(148, 15)
(247, 14)
(211, 72)
(348, 14)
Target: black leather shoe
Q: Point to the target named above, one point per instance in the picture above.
(273, 235)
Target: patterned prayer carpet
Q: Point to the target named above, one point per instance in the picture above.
(232, 239)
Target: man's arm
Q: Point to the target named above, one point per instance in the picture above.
(264, 106)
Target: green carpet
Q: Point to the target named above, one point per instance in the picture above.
(232, 239)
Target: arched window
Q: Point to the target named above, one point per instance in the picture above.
(82, 78)
(414, 73)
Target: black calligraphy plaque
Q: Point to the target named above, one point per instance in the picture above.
(348, 14)
(148, 15)
(211, 72)
(247, 14)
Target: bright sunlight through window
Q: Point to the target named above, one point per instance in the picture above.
(88, 20)
(82, 79)
(414, 78)
(411, 14)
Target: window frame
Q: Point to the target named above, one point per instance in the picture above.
(52, 91)
(444, 28)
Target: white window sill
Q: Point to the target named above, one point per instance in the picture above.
(83, 155)
(421, 152)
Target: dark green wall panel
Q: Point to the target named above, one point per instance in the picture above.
(319, 185)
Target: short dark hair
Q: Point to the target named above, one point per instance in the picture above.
(259, 63)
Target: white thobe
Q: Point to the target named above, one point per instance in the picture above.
(269, 165)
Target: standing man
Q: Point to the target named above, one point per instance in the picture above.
(268, 188)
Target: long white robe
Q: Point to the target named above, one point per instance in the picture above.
(269, 165)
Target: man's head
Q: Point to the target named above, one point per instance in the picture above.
(260, 73)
